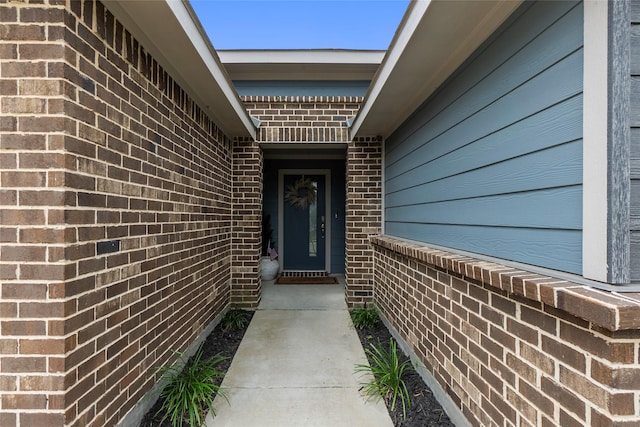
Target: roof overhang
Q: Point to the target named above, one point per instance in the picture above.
(312, 64)
(434, 38)
(170, 31)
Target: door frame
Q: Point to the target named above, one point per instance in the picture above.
(328, 219)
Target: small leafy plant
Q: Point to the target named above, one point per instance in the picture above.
(234, 319)
(388, 372)
(363, 318)
(190, 390)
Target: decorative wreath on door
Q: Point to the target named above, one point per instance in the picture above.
(301, 194)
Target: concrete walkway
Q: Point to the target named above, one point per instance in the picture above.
(295, 365)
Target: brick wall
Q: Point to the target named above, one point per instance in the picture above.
(363, 217)
(510, 347)
(33, 265)
(321, 119)
(246, 281)
(116, 216)
(302, 118)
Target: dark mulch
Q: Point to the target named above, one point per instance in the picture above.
(425, 409)
(218, 342)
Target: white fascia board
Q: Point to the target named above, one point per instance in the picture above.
(309, 56)
(193, 29)
(595, 136)
(170, 31)
(433, 40)
(411, 20)
(315, 64)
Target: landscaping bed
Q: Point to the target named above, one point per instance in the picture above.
(222, 341)
(425, 409)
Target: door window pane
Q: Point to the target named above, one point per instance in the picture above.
(313, 224)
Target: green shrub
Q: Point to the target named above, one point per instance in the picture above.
(364, 317)
(234, 319)
(387, 372)
(191, 390)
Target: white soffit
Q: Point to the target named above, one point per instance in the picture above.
(311, 64)
(433, 40)
(170, 31)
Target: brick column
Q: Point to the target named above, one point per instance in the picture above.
(364, 217)
(33, 234)
(246, 238)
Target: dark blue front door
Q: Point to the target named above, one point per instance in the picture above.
(304, 223)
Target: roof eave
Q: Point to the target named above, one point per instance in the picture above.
(170, 31)
(433, 40)
(301, 64)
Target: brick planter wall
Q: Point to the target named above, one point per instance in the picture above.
(510, 347)
(116, 216)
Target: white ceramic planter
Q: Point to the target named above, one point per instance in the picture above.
(269, 268)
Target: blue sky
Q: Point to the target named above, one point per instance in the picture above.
(300, 24)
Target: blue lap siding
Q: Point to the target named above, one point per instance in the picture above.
(492, 163)
(635, 140)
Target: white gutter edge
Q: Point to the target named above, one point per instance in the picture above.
(299, 56)
(418, 9)
(193, 29)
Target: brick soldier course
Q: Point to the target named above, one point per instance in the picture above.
(129, 221)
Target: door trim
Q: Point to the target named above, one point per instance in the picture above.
(327, 185)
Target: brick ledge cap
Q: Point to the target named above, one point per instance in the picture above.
(610, 310)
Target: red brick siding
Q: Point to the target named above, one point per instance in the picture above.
(99, 144)
(506, 359)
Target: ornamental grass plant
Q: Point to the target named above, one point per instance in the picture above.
(387, 371)
(235, 319)
(189, 392)
(363, 318)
